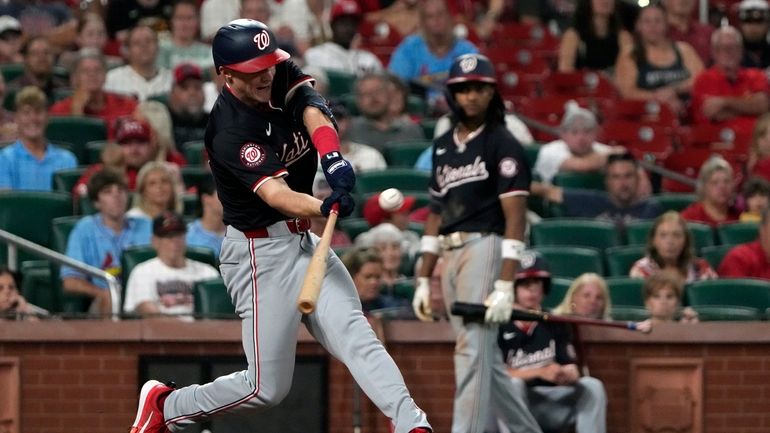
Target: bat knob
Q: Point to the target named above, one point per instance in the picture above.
(336, 208)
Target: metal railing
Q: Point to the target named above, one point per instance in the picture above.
(15, 242)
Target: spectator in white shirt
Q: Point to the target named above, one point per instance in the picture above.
(163, 285)
(141, 76)
(337, 54)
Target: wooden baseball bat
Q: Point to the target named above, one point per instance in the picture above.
(475, 312)
(311, 286)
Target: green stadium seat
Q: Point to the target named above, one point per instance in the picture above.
(744, 292)
(625, 291)
(675, 201)
(28, 214)
(559, 287)
(193, 176)
(77, 130)
(340, 83)
(714, 254)
(580, 180)
(404, 154)
(94, 151)
(531, 152)
(732, 313)
(11, 71)
(737, 233)
(65, 180)
(136, 255)
(571, 262)
(575, 232)
(193, 152)
(620, 259)
(64, 302)
(406, 179)
(638, 231)
(404, 289)
(416, 105)
(212, 300)
(428, 127)
(36, 284)
(353, 226)
(632, 314)
(191, 206)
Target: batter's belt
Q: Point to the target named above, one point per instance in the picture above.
(456, 240)
(280, 228)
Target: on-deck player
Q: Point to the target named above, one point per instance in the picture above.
(479, 187)
(263, 137)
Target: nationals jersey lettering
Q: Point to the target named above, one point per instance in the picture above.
(469, 178)
(519, 358)
(296, 149)
(448, 177)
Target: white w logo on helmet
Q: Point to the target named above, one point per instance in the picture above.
(262, 39)
(468, 64)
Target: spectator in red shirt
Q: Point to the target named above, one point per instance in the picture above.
(728, 94)
(683, 26)
(750, 260)
(715, 189)
(88, 97)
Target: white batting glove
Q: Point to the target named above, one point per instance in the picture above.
(421, 300)
(499, 303)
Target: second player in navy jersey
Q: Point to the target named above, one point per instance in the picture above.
(479, 187)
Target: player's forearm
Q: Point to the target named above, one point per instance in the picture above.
(527, 373)
(431, 228)
(314, 119)
(515, 211)
(296, 204)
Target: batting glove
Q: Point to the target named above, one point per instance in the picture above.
(338, 171)
(346, 203)
(421, 300)
(499, 303)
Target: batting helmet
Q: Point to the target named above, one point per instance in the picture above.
(533, 265)
(471, 67)
(246, 46)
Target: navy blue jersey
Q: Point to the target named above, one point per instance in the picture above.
(539, 345)
(469, 179)
(248, 145)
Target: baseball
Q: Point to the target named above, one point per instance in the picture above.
(391, 199)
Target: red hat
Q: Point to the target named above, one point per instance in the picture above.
(345, 8)
(132, 129)
(186, 71)
(374, 214)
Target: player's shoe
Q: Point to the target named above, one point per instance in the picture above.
(421, 430)
(149, 416)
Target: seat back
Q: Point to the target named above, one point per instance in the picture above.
(571, 262)
(745, 292)
(28, 214)
(592, 180)
(65, 180)
(194, 152)
(575, 232)
(675, 201)
(737, 233)
(353, 226)
(621, 258)
(212, 300)
(714, 254)
(405, 154)
(559, 287)
(405, 179)
(625, 291)
(77, 130)
(194, 175)
(64, 302)
(731, 313)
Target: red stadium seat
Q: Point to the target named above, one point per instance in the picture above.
(579, 84)
(516, 87)
(688, 163)
(644, 141)
(644, 112)
(716, 138)
(547, 110)
(521, 60)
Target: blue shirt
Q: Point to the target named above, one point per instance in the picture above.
(425, 160)
(93, 243)
(412, 60)
(19, 169)
(197, 236)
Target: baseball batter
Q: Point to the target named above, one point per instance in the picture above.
(265, 132)
(479, 187)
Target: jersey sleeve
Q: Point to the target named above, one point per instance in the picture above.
(512, 172)
(288, 76)
(251, 162)
(565, 351)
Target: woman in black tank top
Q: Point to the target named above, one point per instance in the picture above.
(595, 38)
(657, 68)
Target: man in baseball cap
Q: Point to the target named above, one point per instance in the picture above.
(754, 23)
(185, 104)
(337, 54)
(10, 40)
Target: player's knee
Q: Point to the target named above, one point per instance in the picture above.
(593, 389)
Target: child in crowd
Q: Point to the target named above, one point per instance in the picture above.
(662, 293)
(756, 195)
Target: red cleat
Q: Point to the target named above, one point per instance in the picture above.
(149, 416)
(421, 430)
